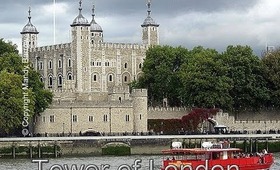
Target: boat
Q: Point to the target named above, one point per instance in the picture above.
(215, 156)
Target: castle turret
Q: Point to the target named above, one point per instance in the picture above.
(80, 49)
(140, 102)
(95, 30)
(150, 32)
(29, 37)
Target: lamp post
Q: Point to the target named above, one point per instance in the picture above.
(71, 119)
(110, 117)
(63, 129)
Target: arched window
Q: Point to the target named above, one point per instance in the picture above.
(59, 64)
(94, 78)
(50, 81)
(69, 76)
(50, 64)
(59, 81)
(110, 78)
(125, 65)
(125, 78)
(140, 65)
(69, 63)
(41, 79)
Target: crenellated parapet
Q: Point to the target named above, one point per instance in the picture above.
(169, 109)
(52, 47)
(108, 45)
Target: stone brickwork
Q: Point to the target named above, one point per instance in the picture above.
(250, 125)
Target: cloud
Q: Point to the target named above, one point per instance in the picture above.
(210, 23)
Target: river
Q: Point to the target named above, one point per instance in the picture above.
(96, 163)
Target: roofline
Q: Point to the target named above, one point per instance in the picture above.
(73, 25)
(29, 32)
(146, 25)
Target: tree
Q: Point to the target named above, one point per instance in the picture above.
(271, 63)
(205, 81)
(246, 72)
(15, 99)
(161, 74)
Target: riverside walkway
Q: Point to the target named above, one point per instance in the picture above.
(86, 138)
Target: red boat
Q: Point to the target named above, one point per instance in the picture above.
(215, 157)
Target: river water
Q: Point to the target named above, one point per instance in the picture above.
(96, 163)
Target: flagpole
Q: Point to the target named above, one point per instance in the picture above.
(54, 22)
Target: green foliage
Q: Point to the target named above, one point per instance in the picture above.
(116, 150)
(205, 83)
(271, 63)
(246, 72)
(13, 74)
(11, 102)
(235, 79)
(161, 73)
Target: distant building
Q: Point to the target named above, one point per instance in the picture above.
(89, 78)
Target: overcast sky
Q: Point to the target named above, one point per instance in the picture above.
(209, 23)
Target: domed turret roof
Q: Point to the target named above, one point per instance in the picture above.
(149, 20)
(94, 27)
(80, 20)
(29, 27)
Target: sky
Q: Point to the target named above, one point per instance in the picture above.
(188, 23)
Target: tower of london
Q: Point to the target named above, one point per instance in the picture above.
(89, 78)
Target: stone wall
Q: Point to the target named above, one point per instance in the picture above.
(167, 112)
(249, 125)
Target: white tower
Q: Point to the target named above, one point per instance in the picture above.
(80, 51)
(29, 37)
(150, 32)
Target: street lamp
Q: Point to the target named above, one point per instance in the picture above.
(110, 121)
(71, 119)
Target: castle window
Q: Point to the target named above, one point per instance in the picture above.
(140, 65)
(59, 81)
(127, 118)
(69, 63)
(59, 63)
(125, 78)
(92, 35)
(41, 79)
(40, 65)
(125, 65)
(52, 118)
(81, 37)
(50, 81)
(105, 118)
(90, 119)
(107, 63)
(94, 78)
(140, 117)
(29, 43)
(92, 41)
(44, 119)
(75, 118)
(69, 76)
(92, 63)
(110, 78)
(50, 64)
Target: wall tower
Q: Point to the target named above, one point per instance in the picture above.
(80, 51)
(150, 32)
(95, 30)
(29, 37)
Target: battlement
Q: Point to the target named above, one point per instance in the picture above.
(139, 93)
(89, 104)
(171, 109)
(120, 89)
(121, 45)
(52, 47)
